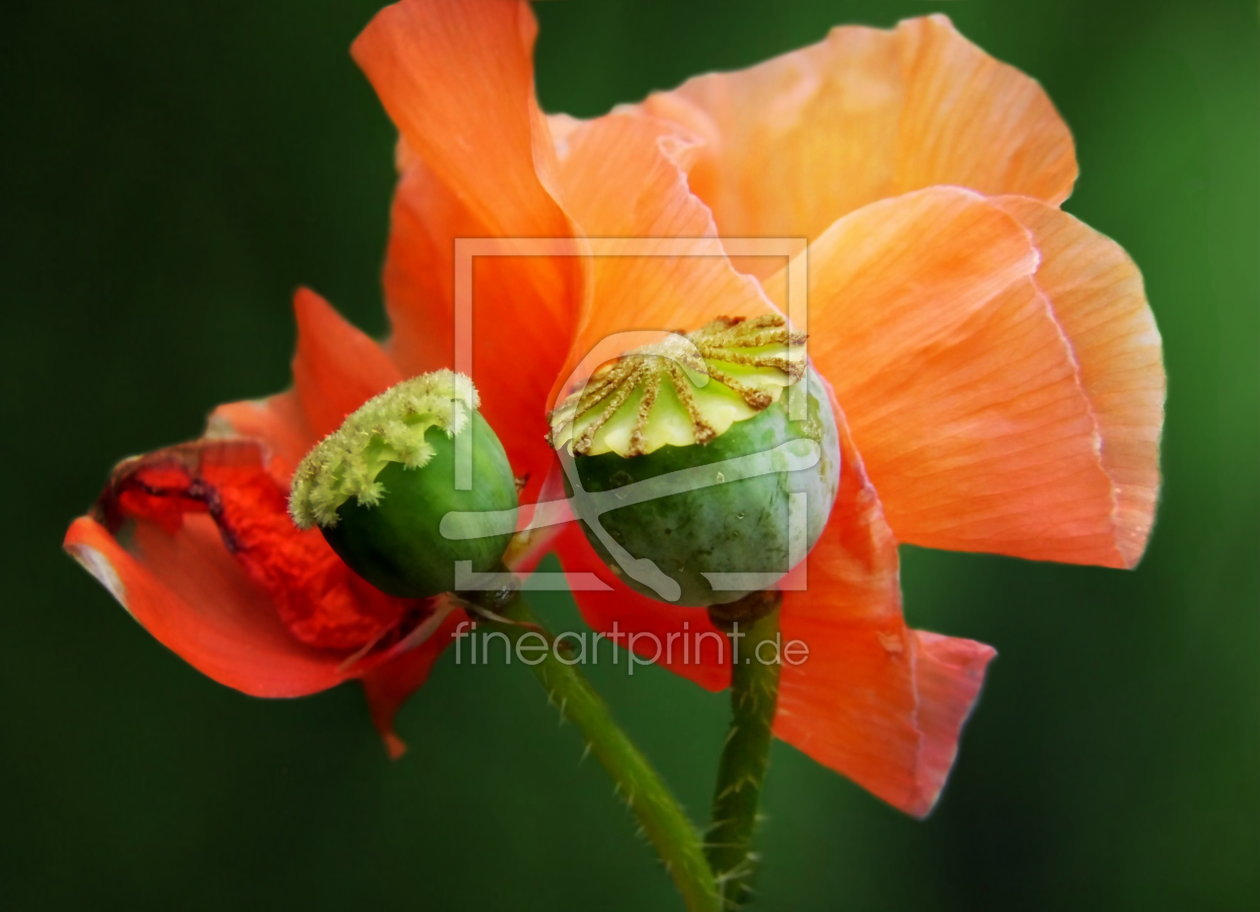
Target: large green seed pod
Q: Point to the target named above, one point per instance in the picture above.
(698, 475)
(379, 486)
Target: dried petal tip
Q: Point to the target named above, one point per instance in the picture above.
(388, 428)
(685, 390)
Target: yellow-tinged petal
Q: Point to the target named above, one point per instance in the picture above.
(1096, 294)
(794, 143)
(964, 392)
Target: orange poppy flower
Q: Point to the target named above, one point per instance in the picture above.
(996, 371)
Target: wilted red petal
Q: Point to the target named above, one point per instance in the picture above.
(798, 141)
(196, 600)
(277, 422)
(205, 556)
(320, 600)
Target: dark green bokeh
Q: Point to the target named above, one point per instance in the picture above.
(175, 169)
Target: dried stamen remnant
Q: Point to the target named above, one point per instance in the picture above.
(687, 389)
(382, 488)
(392, 427)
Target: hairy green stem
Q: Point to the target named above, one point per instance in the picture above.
(666, 825)
(745, 756)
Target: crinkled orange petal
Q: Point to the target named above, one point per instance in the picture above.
(948, 675)
(1097, 297)
(881, 704)
(656, 262)
(866, 702)
(961, 390)
(190, 594)
(456, 76)
(798, 141)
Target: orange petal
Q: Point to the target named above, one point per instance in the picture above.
(962, 393)
(656, 263)
(884, 706)
(425, 220)
(798, 141)
(875, 701)
(456, 76)
(1097, 297)
(948, 675)
(523, 310)
(191, 595)
(336, 368)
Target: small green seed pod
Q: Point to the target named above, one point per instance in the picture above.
(379, 486)
(697, 477)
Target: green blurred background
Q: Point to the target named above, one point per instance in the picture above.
(175, 169)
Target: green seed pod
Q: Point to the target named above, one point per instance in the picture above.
(379, 486)
(701, 468)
